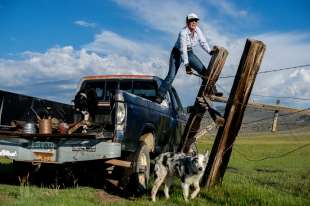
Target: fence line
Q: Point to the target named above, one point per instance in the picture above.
(273, 70)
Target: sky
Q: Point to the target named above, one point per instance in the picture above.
(46, 46)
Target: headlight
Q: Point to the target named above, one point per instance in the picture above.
(121, 113)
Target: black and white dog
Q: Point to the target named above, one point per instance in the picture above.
(189, 168)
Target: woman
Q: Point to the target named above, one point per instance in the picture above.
(188, 38)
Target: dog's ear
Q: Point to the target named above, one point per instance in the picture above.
(193, 153)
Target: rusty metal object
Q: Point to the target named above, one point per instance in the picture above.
(78, 125)
(75, 127)
(63, 128)
(44, 156)
(45, 126)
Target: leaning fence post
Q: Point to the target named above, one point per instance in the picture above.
(220, 154)
(192, 126)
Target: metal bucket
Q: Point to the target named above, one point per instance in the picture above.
(45, 126)
(29, 128)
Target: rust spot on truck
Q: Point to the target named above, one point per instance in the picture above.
(44, 156)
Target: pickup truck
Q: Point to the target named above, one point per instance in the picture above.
(126, 128)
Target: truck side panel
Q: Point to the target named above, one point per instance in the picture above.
(142, 112)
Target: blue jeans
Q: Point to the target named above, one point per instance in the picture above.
(174, 64)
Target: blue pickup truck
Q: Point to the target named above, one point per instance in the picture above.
(126, 128)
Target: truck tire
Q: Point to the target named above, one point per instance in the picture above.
(138, 175)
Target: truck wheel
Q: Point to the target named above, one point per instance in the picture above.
(140, 172)
(143, 166)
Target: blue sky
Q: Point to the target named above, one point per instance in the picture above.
(38, 25)
(47, 42)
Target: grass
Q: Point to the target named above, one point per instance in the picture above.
(273, 181)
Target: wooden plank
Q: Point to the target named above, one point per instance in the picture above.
(248, 67)
(192, 126)
(120, 163)
(269, 107)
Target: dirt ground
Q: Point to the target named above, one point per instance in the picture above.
(108, 198)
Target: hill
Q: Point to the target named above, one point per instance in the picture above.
(259, 120)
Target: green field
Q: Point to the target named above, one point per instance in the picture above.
(279, 180)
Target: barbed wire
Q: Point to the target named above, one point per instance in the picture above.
(272, 156)
(268, 156)
(270, 118)
(280, 115)
(269, 96)
(273, 70)
(282, 97)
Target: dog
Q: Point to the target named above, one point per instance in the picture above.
(85, 103)
(189, 168)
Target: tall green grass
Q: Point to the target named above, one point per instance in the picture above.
(273, 181)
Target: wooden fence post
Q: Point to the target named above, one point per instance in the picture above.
(193, 123)
(275, 118)
(220, 154)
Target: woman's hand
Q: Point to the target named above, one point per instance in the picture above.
(188, 69)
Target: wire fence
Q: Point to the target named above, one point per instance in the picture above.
(290, 128)
(304, 66)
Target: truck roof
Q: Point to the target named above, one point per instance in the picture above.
(118, 76)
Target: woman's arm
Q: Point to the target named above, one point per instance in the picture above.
(183, 47)
(202, 40)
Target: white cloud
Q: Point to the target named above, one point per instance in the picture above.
(168, 16)
(111, 53)
(108, 42)
(47, 70)
(83, 23)
(283, 49)
(228, 8)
